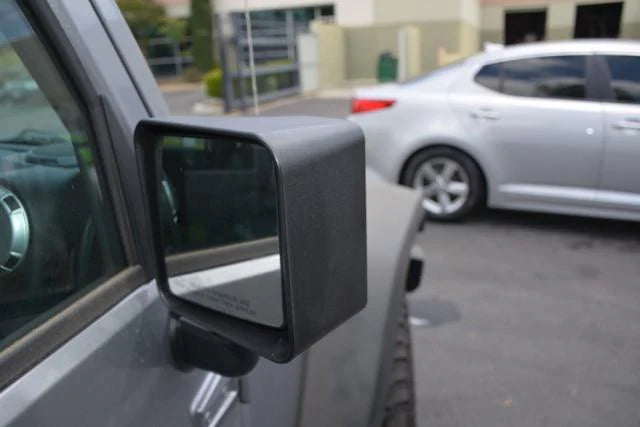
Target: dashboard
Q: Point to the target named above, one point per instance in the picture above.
(45, 213)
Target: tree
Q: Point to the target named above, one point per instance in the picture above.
(202, 34)
(143, 16)
(174, 28)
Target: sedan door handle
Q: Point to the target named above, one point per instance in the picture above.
(628, 124)
(486, 114)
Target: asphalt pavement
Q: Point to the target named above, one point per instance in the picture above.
(523, 319)
(532, 320)
(182, 101)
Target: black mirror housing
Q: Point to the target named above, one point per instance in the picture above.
(320, 186)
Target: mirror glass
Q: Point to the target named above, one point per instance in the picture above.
(218, 207)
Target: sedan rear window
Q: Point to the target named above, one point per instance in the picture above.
(548, 77)
(489, 77)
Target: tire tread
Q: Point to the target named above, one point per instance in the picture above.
(399, 408)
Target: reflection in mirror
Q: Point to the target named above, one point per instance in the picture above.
(218, 203)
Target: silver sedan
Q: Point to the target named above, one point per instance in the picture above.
(552, 127)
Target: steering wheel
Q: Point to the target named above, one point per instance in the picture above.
(14, 229)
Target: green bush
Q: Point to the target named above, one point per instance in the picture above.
(213, 82)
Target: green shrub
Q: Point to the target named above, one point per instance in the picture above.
(213, 82)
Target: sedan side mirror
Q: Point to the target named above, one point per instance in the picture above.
(259, 226)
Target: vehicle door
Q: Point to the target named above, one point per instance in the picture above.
(620, 182)
(83, 332)
(541, 133)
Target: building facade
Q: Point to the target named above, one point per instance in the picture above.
(425, 34)
(558, 19)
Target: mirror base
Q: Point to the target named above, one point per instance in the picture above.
(192, 347)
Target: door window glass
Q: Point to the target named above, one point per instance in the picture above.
(560, 77)
(57, 234)
(625, 78)
(489, 77)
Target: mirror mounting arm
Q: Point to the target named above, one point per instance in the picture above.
(193, 347)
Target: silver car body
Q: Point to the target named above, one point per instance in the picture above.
(551, 155)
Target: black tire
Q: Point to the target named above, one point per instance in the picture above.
(400, 402)
(477, 190)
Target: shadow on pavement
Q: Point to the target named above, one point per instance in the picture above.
(593, 227)
(433, 312)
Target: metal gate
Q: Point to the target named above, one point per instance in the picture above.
(275, 55)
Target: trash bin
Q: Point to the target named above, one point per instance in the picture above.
(387, 68)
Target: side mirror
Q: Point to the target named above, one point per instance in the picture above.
(259, 226)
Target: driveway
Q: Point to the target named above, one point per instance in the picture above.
(523, 319)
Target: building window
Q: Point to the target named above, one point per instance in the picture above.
(598, 20)
(326, 11)
(524, 26)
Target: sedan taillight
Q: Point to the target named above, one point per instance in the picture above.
(365, 105)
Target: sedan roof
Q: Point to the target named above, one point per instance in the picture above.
(562, 47)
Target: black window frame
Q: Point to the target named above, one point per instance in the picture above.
(594, 89)
(85, 306)
(581, 12)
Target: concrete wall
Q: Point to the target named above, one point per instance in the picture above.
(354, 13)
(492, 24)
(631, 20)
(307, 45)
(455, 37)
(561, 18)
(364, 45)
(411, 11)
(470, 12)
(449, 26)
(347, 12)
(409, 52)
(469, 39)
(331, 53)
(238, 5)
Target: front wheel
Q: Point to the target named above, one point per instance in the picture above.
(449, 180)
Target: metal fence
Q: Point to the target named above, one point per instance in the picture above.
(168, 57)
(275, 54)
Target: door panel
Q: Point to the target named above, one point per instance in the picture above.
(274, 393)
(117, 372)
(620, 184)
(538, 149)
(57, 233)
(547, 142)
(620, 169)
(543, 141)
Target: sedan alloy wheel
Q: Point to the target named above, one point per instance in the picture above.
(444, 184)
